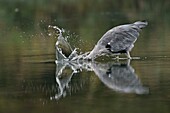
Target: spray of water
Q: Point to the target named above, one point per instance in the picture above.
(64, 51)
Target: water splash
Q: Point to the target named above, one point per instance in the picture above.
(64, 51)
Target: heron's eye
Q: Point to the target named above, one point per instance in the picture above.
(108, 46)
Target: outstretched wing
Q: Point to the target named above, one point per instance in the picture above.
(122, 38)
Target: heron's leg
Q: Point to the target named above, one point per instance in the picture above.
(128, 61)
(128, 55)
(117, 57)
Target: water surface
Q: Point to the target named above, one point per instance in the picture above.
(28, 72)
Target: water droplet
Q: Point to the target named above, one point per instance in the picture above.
(49, 34)
(55, 27)
(16, 10)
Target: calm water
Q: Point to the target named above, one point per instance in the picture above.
(31, 81)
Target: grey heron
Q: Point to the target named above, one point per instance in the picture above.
(118, 40)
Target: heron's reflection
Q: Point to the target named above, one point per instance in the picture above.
(117, 76)
(64, 73)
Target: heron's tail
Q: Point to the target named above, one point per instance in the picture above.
(141, 24)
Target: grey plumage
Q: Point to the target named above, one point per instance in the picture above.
(118, 40)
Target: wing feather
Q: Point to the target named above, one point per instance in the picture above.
(121, 38)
